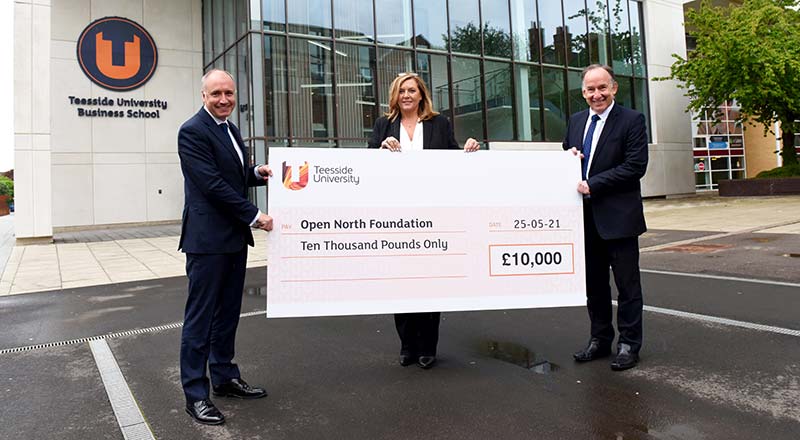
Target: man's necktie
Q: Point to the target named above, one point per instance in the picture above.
(587, 146)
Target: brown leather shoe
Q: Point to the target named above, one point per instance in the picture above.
(204, 411)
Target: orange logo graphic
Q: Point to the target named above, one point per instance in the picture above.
(287, 177)
(117, 53)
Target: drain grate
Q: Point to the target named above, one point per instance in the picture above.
(138, 331)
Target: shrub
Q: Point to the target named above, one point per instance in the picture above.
(7, 187)
(786, 171)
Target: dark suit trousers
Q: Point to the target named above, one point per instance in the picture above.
(216, 282)
(419, 332)
(622, 256)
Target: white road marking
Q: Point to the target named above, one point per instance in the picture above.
(129, 416)
(722, 277)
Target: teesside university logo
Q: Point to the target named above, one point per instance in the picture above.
(287, 177)
(117, 53)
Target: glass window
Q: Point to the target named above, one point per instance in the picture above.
(551, 29)
(555, 104)
(499, 101)
(218, 34)
(737, 142)
(433, 70)
(716, 176)
(465, 31)
(702, 180)
(529, 109)
(229, 20)
(243, 88)
(312, 17)
(720, 163)
(274, 15)
(526, 30)
(468, 104)
(496, 29)
(700, 164)
(599, 29)
(275, 86)
(390, 63)
(353, 20)
(575, 17)
(637, 39)
(207, 31)
(576, 100)
(355, 90)
(310, 88)
(430, 24)
(642, 100)
(242, 20)
(624, 92)
(394, 22)
(621, 38)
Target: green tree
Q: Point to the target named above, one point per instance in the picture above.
(7, 188)
(467, 39)
(750, 54)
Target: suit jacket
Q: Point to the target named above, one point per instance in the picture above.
(437, 133)
(216, 211)
(620, 161)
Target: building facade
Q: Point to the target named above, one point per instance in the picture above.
(312, 73)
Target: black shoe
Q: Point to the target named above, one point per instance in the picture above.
(625, 358)
(405, 359)
(204, 411)
(595, 350)
(426, 362)
(240, 389)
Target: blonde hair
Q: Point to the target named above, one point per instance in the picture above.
(425, 110)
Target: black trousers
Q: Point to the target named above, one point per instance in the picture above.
(216, 282)
(419, 332)
(622, 256)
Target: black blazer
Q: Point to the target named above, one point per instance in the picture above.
(216, 211)
(437, 134)
(620, 161)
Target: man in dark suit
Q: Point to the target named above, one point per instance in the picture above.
(612, 141)
(217, 217)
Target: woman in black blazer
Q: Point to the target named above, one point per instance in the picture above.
(411, 124)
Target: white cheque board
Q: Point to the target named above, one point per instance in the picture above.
(371, 231)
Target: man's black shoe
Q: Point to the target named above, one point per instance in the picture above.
(240, 389)
(405, 359)
(625, 358)
(426, 362)
(204, 411)
(595, 350)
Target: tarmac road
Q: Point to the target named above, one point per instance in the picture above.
(502, 374)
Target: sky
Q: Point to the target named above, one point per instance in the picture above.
(6, 77)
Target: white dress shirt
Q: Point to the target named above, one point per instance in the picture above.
(406, 143)
(598, 129)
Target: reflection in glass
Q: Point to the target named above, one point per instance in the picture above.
(218, 33)
(390, 63)
(637, 39)
(242, 21)
(599, 29)
(275, 86)
(394, 21)
(310, 88)
(717, 176)
(274, 14)
(576, 100)
(720, 163)
(229, 20)
(575, 14)
(551, 31)
(624, 93)
(430, 24)
(433, 70)
(499, 101)
(467, 99)
(738, 174)
(526, 30)
(621, 38)
(465, 35)
(355, 90)
(555, 104)
(529, 114)
(702, 180)
(312, 17)
(737, 142)
(353, 20)
(496, 29)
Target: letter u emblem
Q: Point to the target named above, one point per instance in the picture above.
(301, 182)
(104, 53)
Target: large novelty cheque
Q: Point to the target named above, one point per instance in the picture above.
(372, 231)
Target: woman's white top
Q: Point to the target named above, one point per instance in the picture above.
(406, 144)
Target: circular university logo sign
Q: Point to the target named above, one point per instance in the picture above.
(117, 53)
